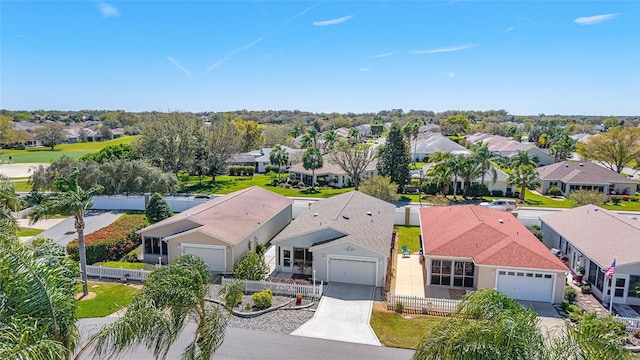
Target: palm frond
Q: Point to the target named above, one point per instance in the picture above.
(23, 339)
(209, 335)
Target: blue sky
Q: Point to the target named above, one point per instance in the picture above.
(569, 57)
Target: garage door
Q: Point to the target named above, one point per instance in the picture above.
(214, 256)
(353, 271)
(530, 286)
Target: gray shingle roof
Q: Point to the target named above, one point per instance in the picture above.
(584, 172)
(598, 233)
(435, 142)
(373, 231)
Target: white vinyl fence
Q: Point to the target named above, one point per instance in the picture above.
(139, 202)
(117, 273)
(308, 291)
(420, 305)
(632, 323)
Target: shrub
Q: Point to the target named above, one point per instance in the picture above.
(271, 168)
(574, 311)
(570, 294)
(554, 191)
(232, 293)
(247, 307)
(634, 198)
(241, 170)
(509, 194)
(261, 249)
(584, 197)
(615, 200)
(399, 307)
(497, 193)
(626, 197)
(478, 190)
(251, 267)
(111, 242)
(157, 209)
(262, 299)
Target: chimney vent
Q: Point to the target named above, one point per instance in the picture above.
(500, 221)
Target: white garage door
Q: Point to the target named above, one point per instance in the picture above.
(214, 256)
(353, 271)
(522, 285)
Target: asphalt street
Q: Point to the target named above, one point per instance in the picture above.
(64, 232)
(244, 344)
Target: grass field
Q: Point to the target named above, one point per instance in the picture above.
(409, 236)
(29, 231)
(45, 155)
(125, 265)
(396, 331)
(110, 297)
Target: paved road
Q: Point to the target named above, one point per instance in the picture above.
(64, 232)
(244, 344)
(343, 314)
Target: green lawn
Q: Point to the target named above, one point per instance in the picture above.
(409, 236)
(110, 297)
(226, 184)
(125, 265)
(45, 155)
(23, 186)
(29, 231)
(394, 330)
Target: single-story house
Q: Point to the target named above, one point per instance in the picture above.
(509, 148)
(501, 183)
(330, 173)
(572, 175)
(220, 231)
(346, 238)
(242, 159)
(469, 247)
(264, 160)
(428, 144)
(592, 237)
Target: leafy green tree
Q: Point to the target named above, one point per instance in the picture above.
(37, 286)
(222, 141)
(279, 157)
(455, 125)
(381, 187)
(50, 134)
(70, 199)
(232, 293)
(584, 197)
(312, 160)
(563, 147)
(393, 158)
(113, 152)
(157, 209)
(251, 267)
(610, 122)
(251, 134)
(352, 159)
(172, 296)
(524, 176)
(617, 148)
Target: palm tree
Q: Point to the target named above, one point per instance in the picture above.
(330, 139)
(70, 200)
(312, 160)
(310, 138)
(440, 174)
(172, 296)
(469, 171)
(455, 163)
(563, 148)
(523, 158)
(411, 130)
(279, 157)
(482, 155)
(523, 176)
(8, 202)
(296, 130)
(354, 135)
(37, 316)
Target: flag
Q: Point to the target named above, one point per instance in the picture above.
(611, 269)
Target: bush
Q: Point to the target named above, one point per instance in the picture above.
(615, 200)
(570, 294)
(241, 170)
(157, 209)
(634, 198)
(251, 267)
(262, 299)
(399, 307)
(477, 190)
(584, 197)
(271, 168)
(554, 191)
(508, 194)
(497, 193)
(261, 249)
(232, 293)
(111, 242)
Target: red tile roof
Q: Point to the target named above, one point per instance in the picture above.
(487, 236)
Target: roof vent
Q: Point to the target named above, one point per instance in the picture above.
(566, 165)
(315, 214)
(345, 216)
(369, 213)
(500, 221)
(581, 164)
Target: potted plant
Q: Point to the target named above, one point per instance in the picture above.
(586, 289)
(298, 298)
(578, 277)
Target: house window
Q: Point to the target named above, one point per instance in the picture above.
(152, 245)
(456, 273)
(302, 259)
(634, 281)
(596, 277)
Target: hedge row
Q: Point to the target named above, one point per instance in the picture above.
(111, 242)
(241, 170)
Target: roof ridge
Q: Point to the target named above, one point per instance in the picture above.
(473, 210)
(349, 197)
(223, 199)
(610, 214)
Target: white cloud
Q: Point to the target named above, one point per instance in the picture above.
(332, 21)
(382, 55)
(451, 74)
(177, 64)
(509, 29)
(444, 49)
(364, 69)
(233, 53)
(108, 10)
(590, 20)
(525, 19)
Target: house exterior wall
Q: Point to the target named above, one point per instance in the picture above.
(320, 259)
(262, 235)
(633, 270)
(621, 188)
(197, 238)
(171, 229)
(550, 238)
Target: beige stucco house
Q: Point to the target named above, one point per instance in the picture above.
(587, 175)
(346, 238)
(330, 173)
(220, 231)
(468, 247)
(592, 237)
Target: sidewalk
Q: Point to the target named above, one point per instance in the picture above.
(409, 276)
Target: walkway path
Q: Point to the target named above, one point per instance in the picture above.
(409, 276)
(343, 314)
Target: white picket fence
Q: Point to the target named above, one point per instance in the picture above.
(308, 291)
(632, 323)
(117, 273)
(421, 305)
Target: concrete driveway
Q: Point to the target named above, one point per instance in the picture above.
(64, 232)
(343, 314)
(549, 321)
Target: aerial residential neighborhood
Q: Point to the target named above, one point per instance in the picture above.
(319, 180)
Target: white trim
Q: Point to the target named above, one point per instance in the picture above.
(340, 242)
(353, 258)
(205, 246)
